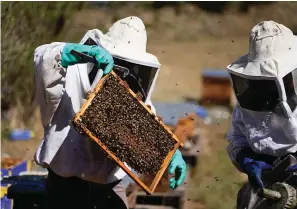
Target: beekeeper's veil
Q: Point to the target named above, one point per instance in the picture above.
(126, 40)
(265, 80)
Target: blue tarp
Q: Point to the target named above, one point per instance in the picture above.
(16, 169)
(171, 112)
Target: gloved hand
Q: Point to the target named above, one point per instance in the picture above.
(178, 166)
(102, 56)
(253, 169)
(253, 165)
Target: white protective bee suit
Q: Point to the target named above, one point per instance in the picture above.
(265, 118)
(265, 85)
(61, 92)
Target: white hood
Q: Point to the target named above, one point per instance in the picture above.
(272, 52)
(126, 39)
(272, 55)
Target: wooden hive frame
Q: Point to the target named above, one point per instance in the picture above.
(76, 121)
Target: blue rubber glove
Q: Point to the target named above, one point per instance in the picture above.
(178, 167)
(253, 169)
(102, 56)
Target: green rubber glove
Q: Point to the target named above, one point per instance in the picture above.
(178, 166)
(102, 56)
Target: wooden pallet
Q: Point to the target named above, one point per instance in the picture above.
(76, 121)
(171, 198)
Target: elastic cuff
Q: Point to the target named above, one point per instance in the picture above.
(244, 153)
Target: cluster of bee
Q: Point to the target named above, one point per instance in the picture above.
(126, 128)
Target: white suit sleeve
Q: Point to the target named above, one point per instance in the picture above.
(49, 77)
(236, 137)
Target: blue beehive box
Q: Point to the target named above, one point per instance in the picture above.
(21, 135)
(21, 167)
(16, 169)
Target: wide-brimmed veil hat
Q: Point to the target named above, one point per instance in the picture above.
(272, 52)
(126, 39)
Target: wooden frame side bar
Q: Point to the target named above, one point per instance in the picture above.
(163, 167)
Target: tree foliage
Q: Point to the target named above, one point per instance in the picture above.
(26, 25)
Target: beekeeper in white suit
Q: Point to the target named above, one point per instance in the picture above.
(264, 123)
(80, 174)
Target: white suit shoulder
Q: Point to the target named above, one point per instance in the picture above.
(49, 77)
(46, 54)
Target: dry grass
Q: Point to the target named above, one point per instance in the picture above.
(182, 63)
(216, 182)
(23, 149)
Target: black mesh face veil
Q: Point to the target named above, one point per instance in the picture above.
(93, 73)
(90, 42)
(264, 94)
(139, 77)
(256, 95)
(290, 85)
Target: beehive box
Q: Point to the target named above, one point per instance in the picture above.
(127, 130)
(216, 87)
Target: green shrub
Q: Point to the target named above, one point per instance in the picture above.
(26, 25)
